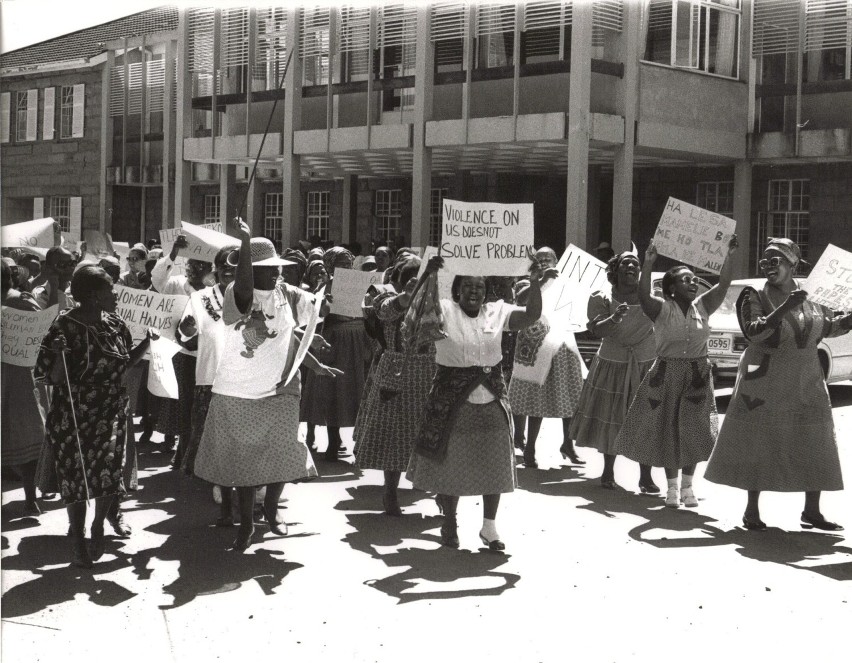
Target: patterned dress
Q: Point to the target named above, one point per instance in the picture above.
(97, 359)
(778, 432)
(672, 421)
(615, 374)
(390, 415)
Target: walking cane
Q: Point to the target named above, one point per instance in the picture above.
(76, 431)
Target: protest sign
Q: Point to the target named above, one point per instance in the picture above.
(830, 281)
(445, 279)
(484, 239)
(308, 336)
(349, 287)
(565, 300)
(123, 250)
(22, 333)
(201, 245)
(144, 309)
(694, 236)
(29, 234)
(162, 380)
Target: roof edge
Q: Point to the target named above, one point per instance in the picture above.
(67, 65)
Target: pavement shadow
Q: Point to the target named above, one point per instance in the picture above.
(428, 573)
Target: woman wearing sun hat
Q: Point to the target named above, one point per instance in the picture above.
(251, 432)
(778, 432)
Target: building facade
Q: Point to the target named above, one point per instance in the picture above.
(353, 122)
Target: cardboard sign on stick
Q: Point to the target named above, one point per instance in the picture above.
(144, 309)
(694, 236)
(162, 380)
(202, 246)
(349, 287)
(830, 281)
(487, 239)
(29, 234)
(22, 333)
(566, 300)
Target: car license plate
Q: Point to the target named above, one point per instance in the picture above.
(719, 344)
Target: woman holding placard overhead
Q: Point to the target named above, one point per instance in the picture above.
(83, 358)
(548, 374)
(778, 432)
(464, 446)
(672, 422)
(334, 402)
(627, 352)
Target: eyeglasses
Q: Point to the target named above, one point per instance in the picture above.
(64, 264)
(774, 261)
(689, 280)
(132, 259)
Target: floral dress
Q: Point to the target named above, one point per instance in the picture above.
(97, 358)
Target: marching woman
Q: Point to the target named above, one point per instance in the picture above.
(334, 402)
(778, 432)
(672, 421)
(250, 435)
(83, 358)
(22, 403)
(548, 374)
(464, 446)
(626, 353)
(391, 413)
(202, 329)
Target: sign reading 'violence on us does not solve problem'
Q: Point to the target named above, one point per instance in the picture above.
(694, 236)
(484, 239)
(830, 281)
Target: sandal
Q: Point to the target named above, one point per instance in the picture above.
(819, 522)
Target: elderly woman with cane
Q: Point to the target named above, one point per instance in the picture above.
(465, 446)
(83, 358)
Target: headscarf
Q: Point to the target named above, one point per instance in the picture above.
(312, 265)
(333, 254)
(403, 263)
(139, 248)
(298, 257)
(613, 263)
(315, 254)
(787, 248)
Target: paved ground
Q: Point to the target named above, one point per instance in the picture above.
(590, 575)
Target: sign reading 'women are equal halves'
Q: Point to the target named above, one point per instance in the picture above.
(481, 239)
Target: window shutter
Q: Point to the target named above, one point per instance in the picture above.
(449, 20)
(155, 79)
(5, 101)
(79, 110)
(315, 27)
(38, 208)
(397, 25)
(49, 117)
(271, 46)
(233, 41)
(75, 217)
(32, 114)
(494, 18)
(541, 14)
(354, 31)
(828, 24)
(776, 27)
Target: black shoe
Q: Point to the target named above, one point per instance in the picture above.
(97, 543)
(754, 524)
(118, 525)
(276, 525)
(79, 553)
(609, 484)
(529, 458)
(243, 540)
(449, 532)
(567, 451)
(818, 522)
(649, 488)
(496, 545)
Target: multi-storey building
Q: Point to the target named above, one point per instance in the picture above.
(363, 118)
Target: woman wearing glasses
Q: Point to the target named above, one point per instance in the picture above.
(779, 432)
(672, 422)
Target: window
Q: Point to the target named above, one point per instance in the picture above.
(317, 214)
(273, 216)
(495, 35)
(66, 111)
(436, 202)
(60, 210)
(702, 35)
(21, 115)
(387, 214)
(716, 196)
(211, 209)
(547, 31)
(788, 214)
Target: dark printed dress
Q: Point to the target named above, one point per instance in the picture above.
(778, 432)
(97, 359)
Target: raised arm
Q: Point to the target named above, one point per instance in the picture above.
(651, 306)
(244, 278)
(714, 297)
(523, 318)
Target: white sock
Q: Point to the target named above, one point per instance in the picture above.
(489, 529)
(686, 481)
(672, 483)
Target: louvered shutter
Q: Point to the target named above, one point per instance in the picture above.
(155, 79)
(828, 24)
(314, 31)
(78, 115)
(116, 91)
(449, 20)
(606, 15)
(397, 25)
(544, 21)
(5, 101)
(234, 37)
(38, 208)
(353, 37)
(48, 122)
(271, 45)
(200, 49)
(776, 27)
(75, 217)
(32, 114)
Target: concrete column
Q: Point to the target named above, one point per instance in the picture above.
(421, 175)
(291, 163)
(742, 215)
(576, 207)
(593, 214)
(627, 96)
(183, 126)
(349, 209)
(168, 135)
(227, 193)
(105, 189)
(254, 208)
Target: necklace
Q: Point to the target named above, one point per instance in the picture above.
(208, 305)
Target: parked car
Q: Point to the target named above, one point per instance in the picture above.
(588, 343)
(726, 342)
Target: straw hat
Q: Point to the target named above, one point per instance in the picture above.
(263, 254)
